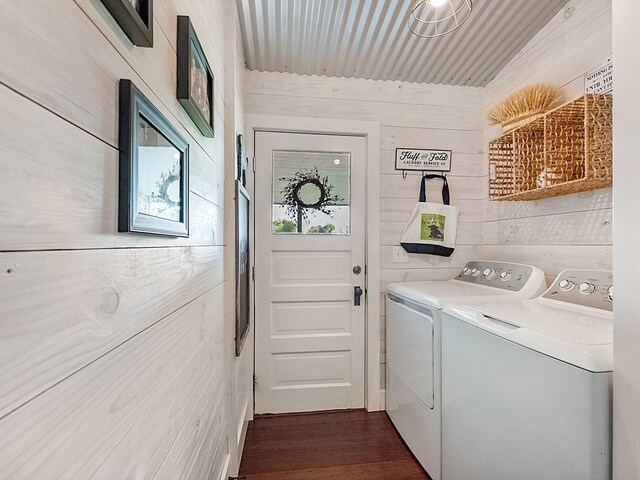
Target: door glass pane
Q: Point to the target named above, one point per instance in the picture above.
(311, 193)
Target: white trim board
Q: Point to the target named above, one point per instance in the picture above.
(371, 131)
(224, 475)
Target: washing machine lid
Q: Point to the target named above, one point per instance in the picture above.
(579, 336)
(437, 294)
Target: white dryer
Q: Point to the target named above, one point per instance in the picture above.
(526, 386)
(413, 312)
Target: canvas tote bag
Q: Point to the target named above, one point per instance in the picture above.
(432, 227)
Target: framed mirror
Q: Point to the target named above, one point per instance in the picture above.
(243, 281)
(154, 169)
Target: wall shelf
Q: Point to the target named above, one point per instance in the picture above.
(566, 150)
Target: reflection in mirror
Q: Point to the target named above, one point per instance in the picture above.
(311, 192)
(159, 174)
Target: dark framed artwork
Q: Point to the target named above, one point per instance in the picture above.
(243, 281)
(195, 79)
(154, 169)
(135, 18)
(242, 160)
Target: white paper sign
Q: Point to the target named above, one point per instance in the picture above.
(423, 159)
(600, 80)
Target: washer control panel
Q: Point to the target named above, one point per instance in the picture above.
(507, 276)
(590, 288)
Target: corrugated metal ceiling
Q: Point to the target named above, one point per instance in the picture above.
(370, 39)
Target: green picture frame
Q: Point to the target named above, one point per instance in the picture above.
(195, 79)
(135, 18)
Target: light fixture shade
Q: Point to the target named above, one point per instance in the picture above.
(434, 18)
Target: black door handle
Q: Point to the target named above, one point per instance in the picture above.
(357, 293)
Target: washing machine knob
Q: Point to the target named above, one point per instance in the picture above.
(475, 272)
(610, 292)
(586, 288)
(566, 285)
(466, 271)
(489, 273)
(504, 276)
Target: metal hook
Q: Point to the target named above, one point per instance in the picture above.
(404, 174)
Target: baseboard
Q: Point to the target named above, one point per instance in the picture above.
(225, 469)
(376, 402)
(241, 435)
(242, 422)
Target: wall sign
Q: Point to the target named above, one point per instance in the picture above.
(599, 80)
(423, 159)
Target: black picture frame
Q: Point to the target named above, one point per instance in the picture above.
(190, 54)
(243, 274)
(136, 23)
(134, 108)
(241, 160)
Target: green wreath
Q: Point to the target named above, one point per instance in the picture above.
(295, 204)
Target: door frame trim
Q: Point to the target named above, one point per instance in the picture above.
(373, 394)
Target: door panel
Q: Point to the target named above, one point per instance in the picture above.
(309, 333)
(311, 368)
(312, 266)
(311, 318)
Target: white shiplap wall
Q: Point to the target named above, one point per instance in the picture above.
(410, 115)
(113, 359)
(570, 231)
(241, 368)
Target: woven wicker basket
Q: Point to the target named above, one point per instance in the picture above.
(518, 122)
(566, 150)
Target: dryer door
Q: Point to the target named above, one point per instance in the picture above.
(410, 349)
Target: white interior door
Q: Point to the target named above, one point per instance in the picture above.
(310, 252)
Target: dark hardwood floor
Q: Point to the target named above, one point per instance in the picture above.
(353, 445)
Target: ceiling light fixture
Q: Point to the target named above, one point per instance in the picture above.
(434, 18)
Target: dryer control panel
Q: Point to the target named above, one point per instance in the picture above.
(507, 276)
(590, 288)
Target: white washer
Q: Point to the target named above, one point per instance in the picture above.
(413, 344)
(526, 387)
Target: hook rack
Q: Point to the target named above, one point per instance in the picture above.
(424, 172)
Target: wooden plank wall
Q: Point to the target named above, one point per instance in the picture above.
(241, 368)
(410, 115)
(113, 352)
(571, 231)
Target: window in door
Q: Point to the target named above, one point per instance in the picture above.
(311, 193)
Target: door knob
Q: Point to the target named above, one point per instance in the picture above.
(357, 293)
